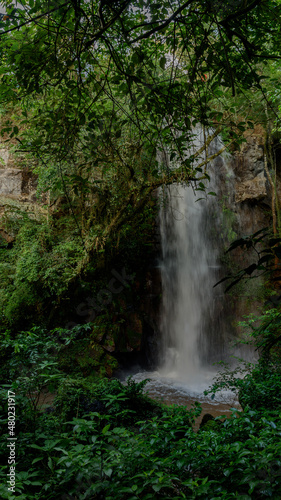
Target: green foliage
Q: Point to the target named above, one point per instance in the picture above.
(90, 122)
(258, 385)
(267, 249)
(104, 439)
(43, 262)
(264, 333)
(262, 388)
(92, 90)
(123, 403)
(47, 257)
(37, 271)
(93, 104)
(30, 367)
(25, 350)
(94, 456)
(77, 351)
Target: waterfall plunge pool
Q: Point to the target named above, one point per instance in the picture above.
(169, 390)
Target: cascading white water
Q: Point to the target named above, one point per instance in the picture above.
(192, 334)
(188, 275)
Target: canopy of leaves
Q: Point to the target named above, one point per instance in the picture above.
(103, 99)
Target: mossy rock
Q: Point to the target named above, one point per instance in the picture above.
(209, 423)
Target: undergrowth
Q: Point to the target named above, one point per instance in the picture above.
(100, 439)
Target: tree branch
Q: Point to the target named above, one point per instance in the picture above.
(35, 18)
(105, 28)
(241, 12)
(166, 23)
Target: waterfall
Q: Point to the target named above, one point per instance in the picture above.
(197, 321)
(192, 331)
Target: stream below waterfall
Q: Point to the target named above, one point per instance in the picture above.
(171, 391)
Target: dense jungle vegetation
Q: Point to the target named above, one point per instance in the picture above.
(101, 102)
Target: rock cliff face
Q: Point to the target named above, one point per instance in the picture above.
(251, 187)
(248, 167)
(17, 195)
(247, 196)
